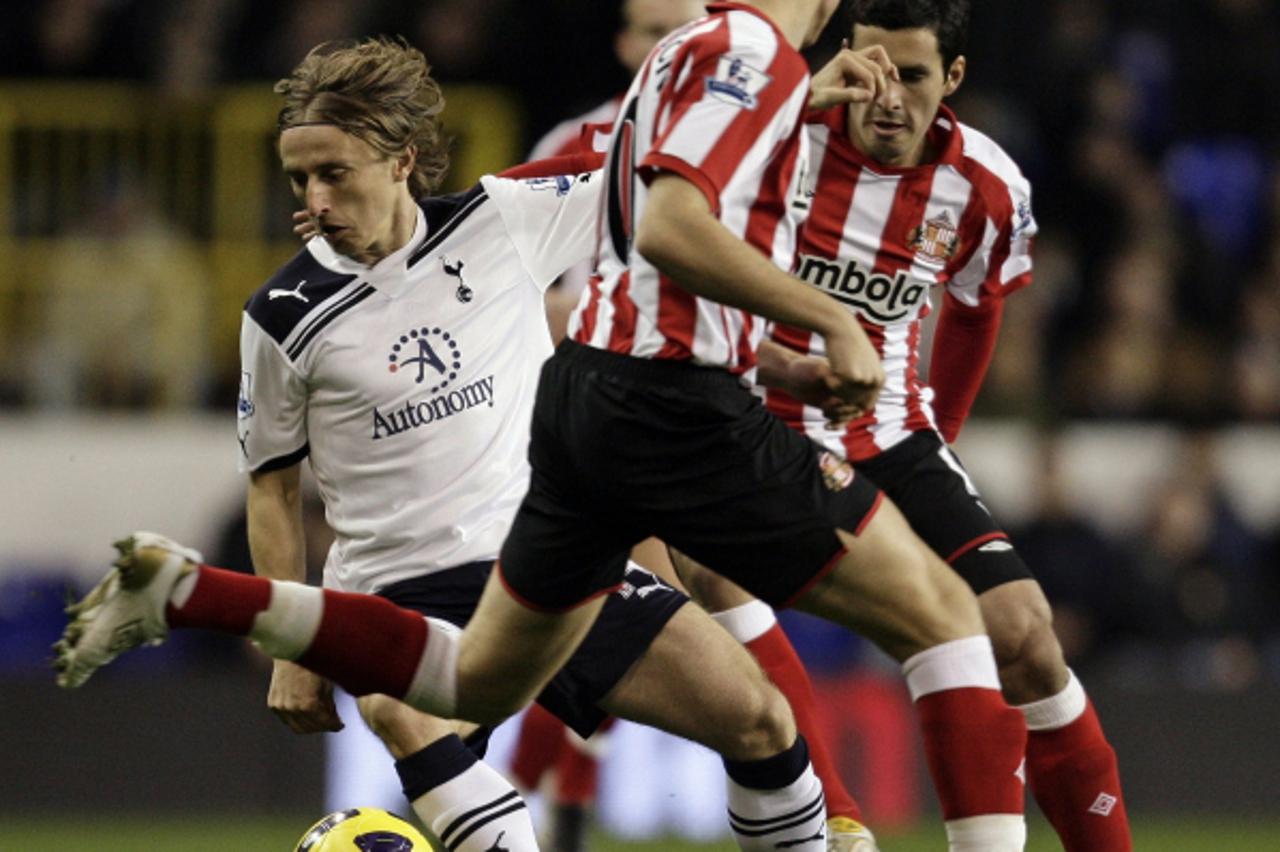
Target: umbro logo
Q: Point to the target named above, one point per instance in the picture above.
(1103, 805)
(276, 292)
(997, 546)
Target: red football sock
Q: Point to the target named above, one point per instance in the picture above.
(365, 644)
(577, 775)
(1073, 773)
(774, 652)
(973, 740)
(542, 738)
(226, 601)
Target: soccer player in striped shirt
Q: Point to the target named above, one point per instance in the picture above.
(644, 22)
(627, 416)
(544, 742)
(905, 198)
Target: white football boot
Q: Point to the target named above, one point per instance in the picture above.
(125, 610)
(849, 835)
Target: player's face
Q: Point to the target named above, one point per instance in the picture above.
(893, 128)
(645, 22)
(351, 191)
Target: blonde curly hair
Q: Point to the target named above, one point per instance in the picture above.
(379, 90)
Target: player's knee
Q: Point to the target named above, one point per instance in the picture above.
(402, 729)
(1027, 650)
(491, 710)
(765, 728)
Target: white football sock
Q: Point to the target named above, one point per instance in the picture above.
(1056, 711)
(987, 833)
(793, 816)
(434, 688)
(466, 803)
(748, 621)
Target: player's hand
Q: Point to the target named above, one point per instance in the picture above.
(304, 226)
(852, 77)
(811, 380)
(857, 373)
(302, 699)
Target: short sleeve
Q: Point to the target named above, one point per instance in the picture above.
(1002, 264)
(727, 100)
(551, 220)
(1014, 271)
(271, 411)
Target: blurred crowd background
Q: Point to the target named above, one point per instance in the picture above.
(1150, 130)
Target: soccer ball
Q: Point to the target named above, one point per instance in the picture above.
(362, 830)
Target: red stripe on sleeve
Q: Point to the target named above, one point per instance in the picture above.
(963, 343)
(565, 164)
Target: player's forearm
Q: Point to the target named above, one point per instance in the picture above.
(680, 236)
(963, 344)
(276, 539)
(773, 365)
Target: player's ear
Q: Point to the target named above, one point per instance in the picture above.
(405, 163)
(955, 76)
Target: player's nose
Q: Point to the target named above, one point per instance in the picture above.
(890, 97)
(317, 201)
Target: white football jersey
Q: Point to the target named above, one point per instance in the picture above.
(409, 385)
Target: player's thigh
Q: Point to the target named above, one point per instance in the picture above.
(696, 682)
(405, 730)
(510, 651)
(631, 619)
(930, 486)
(889, 586)
(709, 590)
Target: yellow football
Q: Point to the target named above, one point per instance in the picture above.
(362, 830)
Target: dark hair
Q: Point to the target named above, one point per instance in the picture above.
(378, 90)
(948, 19)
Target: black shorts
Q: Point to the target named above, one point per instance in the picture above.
(623, 448)
(632, 617)
(928, 484)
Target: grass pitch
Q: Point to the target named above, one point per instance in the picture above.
(240, 834)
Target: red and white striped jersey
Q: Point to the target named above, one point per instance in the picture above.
(878, 239)
(718, 102)
(567, 137)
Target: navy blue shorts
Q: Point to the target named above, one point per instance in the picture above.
(927, 483)
(624, 448)
(632, 617)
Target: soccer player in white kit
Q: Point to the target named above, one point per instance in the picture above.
(906, 198)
